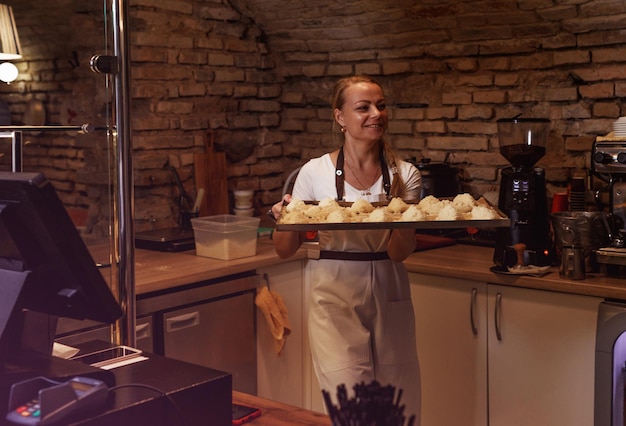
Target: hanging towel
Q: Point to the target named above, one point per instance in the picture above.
(274, 310)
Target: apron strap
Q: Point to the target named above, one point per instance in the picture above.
(339, 175)
(385, 171)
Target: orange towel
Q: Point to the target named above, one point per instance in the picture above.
(274, 310)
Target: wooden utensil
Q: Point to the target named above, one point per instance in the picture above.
(210, 175)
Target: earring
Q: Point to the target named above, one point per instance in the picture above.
(343, 129)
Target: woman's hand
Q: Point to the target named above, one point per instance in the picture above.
(286, 243)
(277, 208)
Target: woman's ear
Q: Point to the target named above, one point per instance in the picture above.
(338, 116)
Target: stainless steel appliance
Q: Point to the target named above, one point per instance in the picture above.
(610, 367)
(608, 165)
(523, 195)
(208, 323)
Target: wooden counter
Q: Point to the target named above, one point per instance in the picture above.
(155, 270)
(277, 414)
(473, 263)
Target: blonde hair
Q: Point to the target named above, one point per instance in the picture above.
(398, 187)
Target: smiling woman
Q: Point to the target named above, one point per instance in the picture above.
(360, 296)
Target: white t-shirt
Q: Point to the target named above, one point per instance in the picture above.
(316, 181)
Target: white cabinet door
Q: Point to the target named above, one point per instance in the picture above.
(281, 377)
(452, 353)
(536, 368)
(541, 369)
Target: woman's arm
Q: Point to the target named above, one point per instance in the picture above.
(286, 243)
(401, 244)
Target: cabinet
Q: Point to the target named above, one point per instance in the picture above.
(288, 378)
(503, 356)
(218, 334)
(207, 323)
(281, 377)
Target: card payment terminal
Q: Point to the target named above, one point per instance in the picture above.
(41, 401)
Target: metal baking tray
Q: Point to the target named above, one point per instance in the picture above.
(503, 222)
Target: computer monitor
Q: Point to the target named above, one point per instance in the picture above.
(45, 266)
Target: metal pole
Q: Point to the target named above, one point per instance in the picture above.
(16, 149)
(125, 193)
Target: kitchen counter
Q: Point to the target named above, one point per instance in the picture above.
(473, 263)
(276, 414)
(155, 271)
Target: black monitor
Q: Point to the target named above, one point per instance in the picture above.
(45, 266)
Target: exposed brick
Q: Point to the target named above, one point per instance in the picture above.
(441, 112)
(199, 65)
(367, 69)
(475, 112)
(456, 98)
(229, 75)
(430, 126)
(597, 91)
(457, 143)
(220, 59)
(396, 68)
(489, 97)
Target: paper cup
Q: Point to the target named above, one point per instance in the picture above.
(243, 198)
(244, 212)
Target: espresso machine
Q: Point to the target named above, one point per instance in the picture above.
(523, 196)
(608, 165)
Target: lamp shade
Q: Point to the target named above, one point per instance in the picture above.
(9, 41)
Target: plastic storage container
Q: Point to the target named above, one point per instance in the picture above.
(225, 236)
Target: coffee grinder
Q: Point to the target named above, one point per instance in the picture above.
(523, 196)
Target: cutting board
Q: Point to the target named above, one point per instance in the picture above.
(210, 174)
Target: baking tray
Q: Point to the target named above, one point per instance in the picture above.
(503, 222)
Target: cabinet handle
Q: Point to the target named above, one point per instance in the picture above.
(498, 316)
(183, 321)
(472, 308)
(142, 331)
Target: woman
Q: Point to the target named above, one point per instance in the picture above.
(361, 322)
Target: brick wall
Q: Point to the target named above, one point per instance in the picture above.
(259, 74)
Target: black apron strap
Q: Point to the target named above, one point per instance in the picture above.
(339, 177)
(385, 171)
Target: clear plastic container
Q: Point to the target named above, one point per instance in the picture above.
(225, 237)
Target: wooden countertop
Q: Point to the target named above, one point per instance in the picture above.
(155, 270)
(473, 263)
(277, 414)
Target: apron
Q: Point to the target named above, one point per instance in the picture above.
(361, 322)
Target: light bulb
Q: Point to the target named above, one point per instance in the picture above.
(8, 72)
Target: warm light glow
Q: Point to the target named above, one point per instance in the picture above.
(8, 72)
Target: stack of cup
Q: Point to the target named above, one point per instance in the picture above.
(244, 205)
(619, 127)
(577, 194)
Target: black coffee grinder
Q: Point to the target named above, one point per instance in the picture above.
(523, 195)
